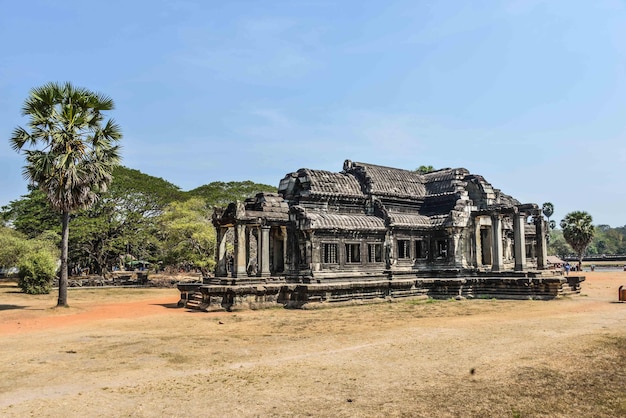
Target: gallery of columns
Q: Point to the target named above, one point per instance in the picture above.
(491, 243)
(258, 250)
(502, 240)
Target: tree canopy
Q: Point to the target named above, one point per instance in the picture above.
(122, 222)
(558, 246)
(35, 258)
(219, 193)
(12, 245)
(188, 235)
(423, 169)
(32, 214)
(136, 217)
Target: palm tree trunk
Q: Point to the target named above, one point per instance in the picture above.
(580, 262)
(62, 301)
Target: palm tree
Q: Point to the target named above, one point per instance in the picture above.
(578, 232)
(78, 152)
(548, 210)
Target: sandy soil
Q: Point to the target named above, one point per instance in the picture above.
(131, 352)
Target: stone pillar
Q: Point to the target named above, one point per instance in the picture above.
(542, 244)
(285, 242)
(519, 221)
(477, 243)
(496, 243)
(259, 251)
(221, 260)
(388, 248)
(239, 265)
(265, 251)
(457, 248)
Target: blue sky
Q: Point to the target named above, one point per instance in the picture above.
(530, 94)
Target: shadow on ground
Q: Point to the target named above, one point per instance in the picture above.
(9, 307)
(168, 305)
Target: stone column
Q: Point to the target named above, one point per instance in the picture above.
(259, 251)
(388, 249)
(221, 261)
(239, 265)
(458, 250)
(478, 243)
(542, 244)
(285, 242)
(519, 221)
(265, 251)
(496, 243)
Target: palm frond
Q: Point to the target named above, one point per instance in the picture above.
(19, 138)
(77, 151)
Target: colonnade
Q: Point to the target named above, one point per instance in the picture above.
(243, 261)
(495, 249)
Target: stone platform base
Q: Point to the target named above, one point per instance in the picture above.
(531, 285)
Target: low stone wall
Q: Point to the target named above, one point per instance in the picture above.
(523, 286)
(216, 297)
(113, 279)
(305, 295)
(503, 288)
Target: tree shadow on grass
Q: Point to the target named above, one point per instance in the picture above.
(10, 307)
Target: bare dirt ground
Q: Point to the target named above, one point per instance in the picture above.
(130, 352)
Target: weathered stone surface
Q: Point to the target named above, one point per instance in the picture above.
(530, 286)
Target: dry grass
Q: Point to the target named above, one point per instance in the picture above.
(475, 358)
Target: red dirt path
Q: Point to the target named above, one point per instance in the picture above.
(40, 320)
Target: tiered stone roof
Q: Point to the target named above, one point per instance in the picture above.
(408, 199)
(386, 181)
(352, 222)
(319, 184)
(445, 181)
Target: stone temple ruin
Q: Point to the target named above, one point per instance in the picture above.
(377, 233)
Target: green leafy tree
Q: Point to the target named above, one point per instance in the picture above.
(606, 241)
(36, 272)
(12, 245)
(578, 231)
(620, 236)
(124, 221)
(35, 258)
(616, 242)
(189, 235)
(32, 214)
(220, 193)
(423, 169)
(77, 153)
(557, 245)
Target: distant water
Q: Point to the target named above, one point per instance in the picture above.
(604, 269)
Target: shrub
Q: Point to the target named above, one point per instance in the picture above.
(36, 272)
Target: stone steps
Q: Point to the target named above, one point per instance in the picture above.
(196, 302)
